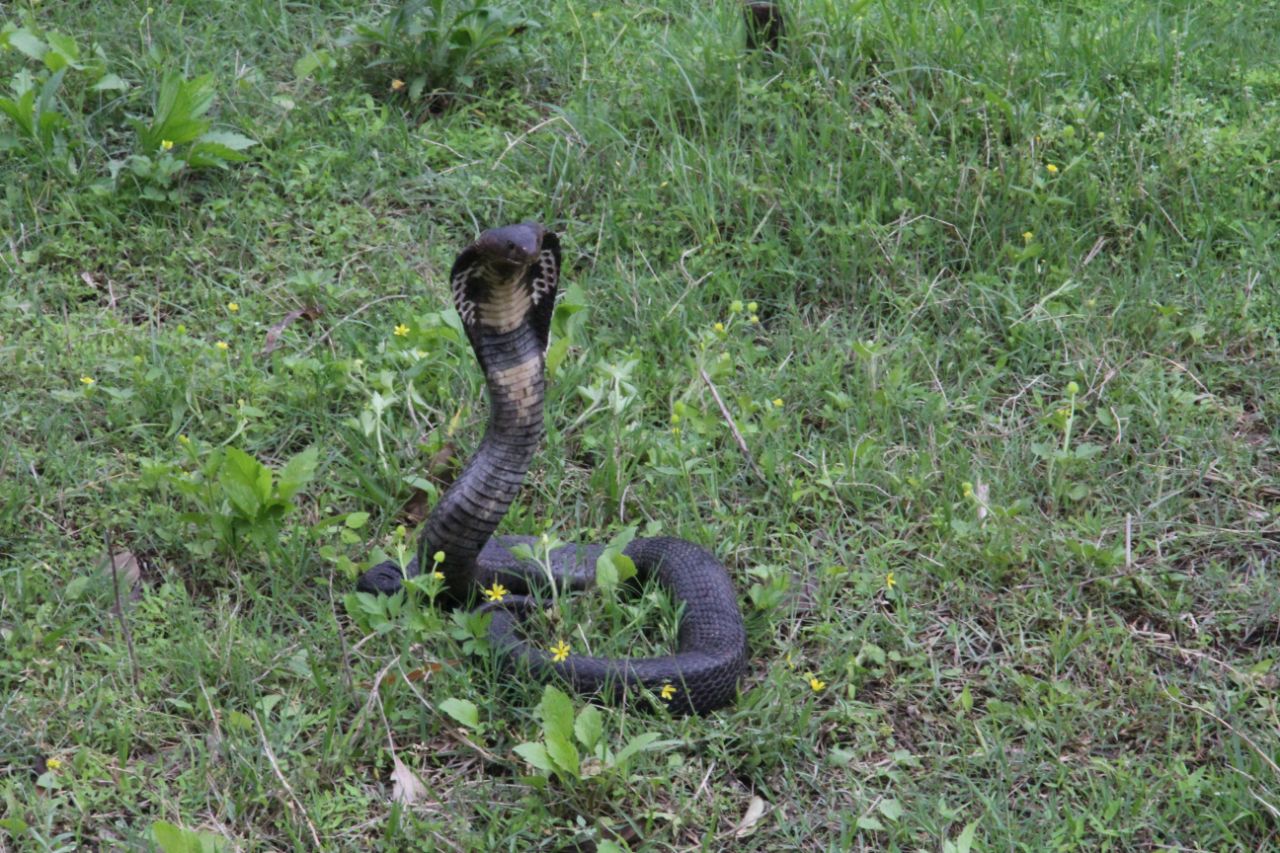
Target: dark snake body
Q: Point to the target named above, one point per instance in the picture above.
(504, 287)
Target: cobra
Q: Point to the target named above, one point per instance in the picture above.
(504, 286)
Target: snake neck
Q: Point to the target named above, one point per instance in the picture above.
(471, 508)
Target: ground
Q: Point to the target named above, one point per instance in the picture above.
(987, 292)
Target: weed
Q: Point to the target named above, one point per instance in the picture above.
(433, 49)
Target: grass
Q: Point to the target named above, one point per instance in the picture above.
(1016, 426)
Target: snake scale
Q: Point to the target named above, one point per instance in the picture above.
(504, 287)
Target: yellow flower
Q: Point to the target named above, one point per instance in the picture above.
(1026, 236)
(667, 692)
(1051, 169)
(397, 85)
(497, 592)
(87, 380)
(755, 319)
(401, 330)
(54, 764)
(233, 307)
(890, 581)
(735, 307)
(777, 402)
(719, 327)
(817, 685)
(438, 575)
(182, 439)
(560, 652)
(166, 144)
(966, 489)
(752, 307)
(223, 345)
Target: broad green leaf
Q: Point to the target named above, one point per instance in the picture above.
(174, 839)
(171, 839)
(613, 568)
(298, 472)
(563, 753)
(536, 755)
(22, 111)
(241, 477)
(589, 726)
(62, 53)
(110, 82)
(622, 539)
(462, 710)
(354, 520)
(76, 587)
(28, 42)
(607, 575)
(871, 823)
(556, 354)
(639, 743)
(964, 841)
(563, 312)
(228, 139)
(556, 710)
(310, 62)
(206, 154)
(178, 110)
(15, 826)
(892, 809)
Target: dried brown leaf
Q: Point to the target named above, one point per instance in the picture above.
(755, 811)
(272, 342)
(123, 568)
(422, 673)
(405, 787)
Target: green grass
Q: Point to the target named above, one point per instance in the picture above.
(1078, 649)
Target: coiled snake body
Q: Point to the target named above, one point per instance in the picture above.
(504, 286)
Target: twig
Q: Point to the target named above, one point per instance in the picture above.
(737, 436)
(1244, 737)
(522, 136)
(328, 332)
(124, 624)
(347, 679)
(1128, 540)
(295, 803)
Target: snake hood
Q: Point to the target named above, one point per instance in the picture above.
(506, 278)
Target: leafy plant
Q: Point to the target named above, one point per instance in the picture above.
(237, 497)
(180, 136)
(562, 733)
(431, 47)
(41, 120)
(175, 839)
(36, 114)
(55, 126)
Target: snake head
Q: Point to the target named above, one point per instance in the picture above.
(505, 279)
(511, 248)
